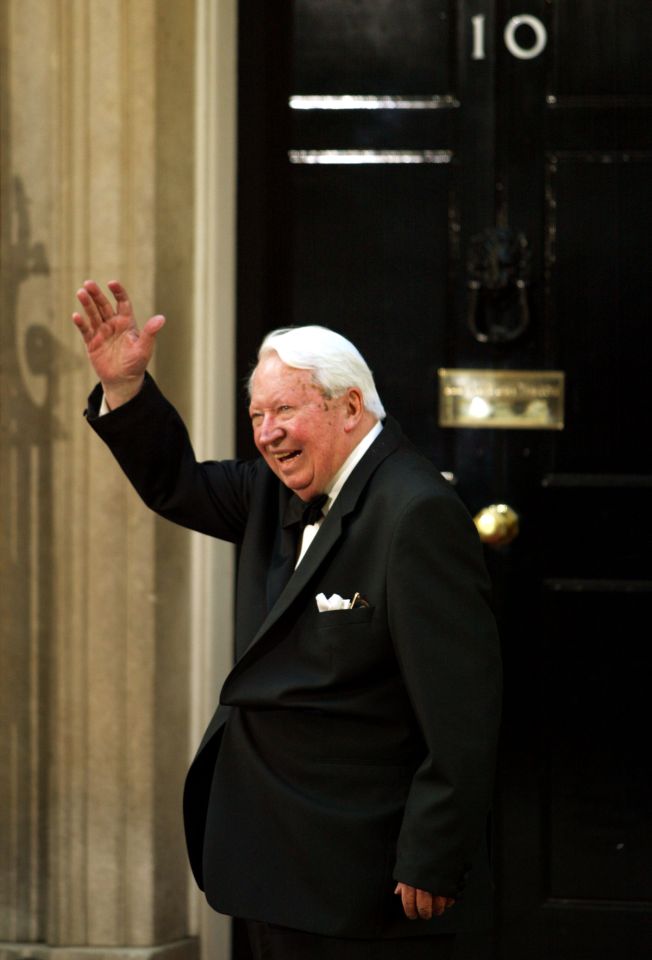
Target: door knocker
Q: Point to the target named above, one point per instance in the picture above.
(498, 277)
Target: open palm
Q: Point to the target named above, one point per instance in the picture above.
(118, 351)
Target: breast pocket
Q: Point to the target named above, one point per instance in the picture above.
(340, 619)
(355, 642)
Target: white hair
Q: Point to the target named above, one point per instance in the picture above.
(335, 363)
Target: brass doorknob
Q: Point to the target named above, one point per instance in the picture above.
(497, 524)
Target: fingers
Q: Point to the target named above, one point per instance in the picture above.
(100, 301)
(413, 902)
(420, 904)
(440, 905)
(122, 300)
(82, 325)
(112, 339)
(150, 330)
(89, 323)
(409, 900)
(98, 308)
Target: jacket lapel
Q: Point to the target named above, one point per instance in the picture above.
(328, 535)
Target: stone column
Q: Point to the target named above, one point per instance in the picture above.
(97, 102)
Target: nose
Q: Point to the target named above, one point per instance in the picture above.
(269, 430)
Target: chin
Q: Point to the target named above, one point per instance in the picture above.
(302, 490)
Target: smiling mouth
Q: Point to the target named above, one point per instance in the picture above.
(287, 457)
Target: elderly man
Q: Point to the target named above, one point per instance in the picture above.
(338, 801)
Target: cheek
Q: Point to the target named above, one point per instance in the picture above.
(297, 435)
(323, 455)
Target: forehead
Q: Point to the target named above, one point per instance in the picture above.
(274, 381)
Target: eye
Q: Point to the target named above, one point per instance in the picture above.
(255, 418)
(284, 410)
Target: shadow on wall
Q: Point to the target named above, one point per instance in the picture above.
(27, 386)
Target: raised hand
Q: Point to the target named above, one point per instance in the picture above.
(117, 350)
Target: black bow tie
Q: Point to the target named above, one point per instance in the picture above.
(304, 512)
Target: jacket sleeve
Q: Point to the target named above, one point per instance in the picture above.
(447, 646)
(150, 442)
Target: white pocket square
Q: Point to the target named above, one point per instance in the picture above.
(334, 602)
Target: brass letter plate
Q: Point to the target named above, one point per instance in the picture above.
(502, 399)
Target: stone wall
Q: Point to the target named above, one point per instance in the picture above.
(101, 621)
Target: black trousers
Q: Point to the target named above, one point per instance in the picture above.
(270, 942)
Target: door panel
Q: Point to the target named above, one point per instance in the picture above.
(599, 265)
(360, 45)
(601, 49)
(368, 246)
(600, 845)
(387, 138)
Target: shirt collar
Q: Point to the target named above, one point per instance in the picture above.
(349, 464)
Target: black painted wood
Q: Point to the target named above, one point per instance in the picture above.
(560, 148)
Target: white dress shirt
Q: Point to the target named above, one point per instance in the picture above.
(338, 481)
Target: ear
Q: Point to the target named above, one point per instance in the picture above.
(354, 408)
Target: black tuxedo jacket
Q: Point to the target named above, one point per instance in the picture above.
(351, 748)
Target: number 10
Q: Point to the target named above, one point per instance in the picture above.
(509, 36)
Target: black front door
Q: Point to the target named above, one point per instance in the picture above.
(467, 185)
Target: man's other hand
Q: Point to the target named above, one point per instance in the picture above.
(420, 904)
